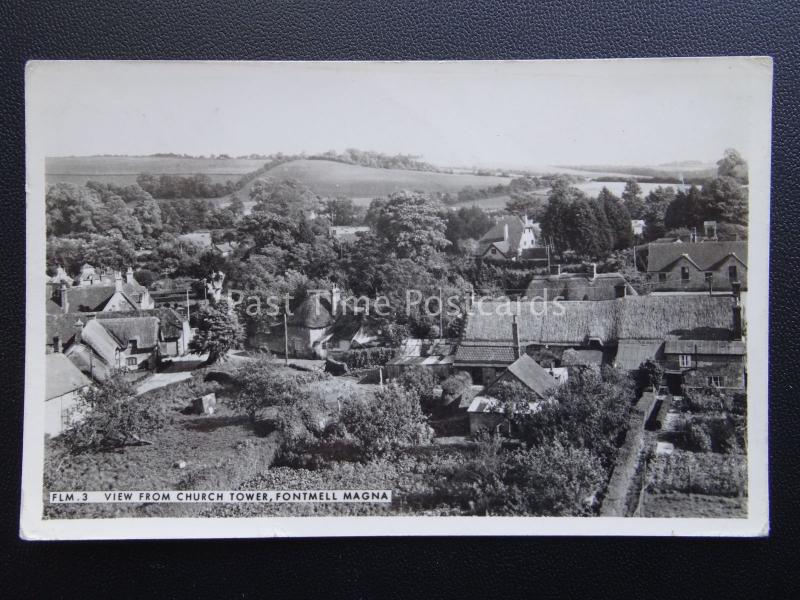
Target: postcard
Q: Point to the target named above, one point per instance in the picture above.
(310, 299)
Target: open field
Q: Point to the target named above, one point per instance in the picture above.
(122, 170)
(329, 178)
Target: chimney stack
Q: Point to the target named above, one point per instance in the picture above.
(129, 275)
(736, 290)
(79, 332)
(336, 297)
(505, 232)
(515, 335)
(594, 270)
(738, 329)
(118, 280)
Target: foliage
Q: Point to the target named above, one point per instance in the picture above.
(391, 421)
(632, 199)
(699, 473)
(466, 223)
(656, 204)
(170, 186)
(218, 331)
(112, 416)
(264, 384)
(733, 165)
(367, 158)
(589, 411)
(419, 382)
(364, 358)
(551, 480)
(705, 400)
(411, 226)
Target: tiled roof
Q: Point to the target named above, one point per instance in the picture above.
(61, 376)
(733, 347)
(704, 254)
(467, 354)
(497, 234)
(632, 353)
(532, 375)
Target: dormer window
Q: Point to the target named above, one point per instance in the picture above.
(684, 273)
(733, 273)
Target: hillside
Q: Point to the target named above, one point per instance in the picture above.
(122, 170)
(328, 178)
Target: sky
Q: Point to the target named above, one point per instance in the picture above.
(508, 114)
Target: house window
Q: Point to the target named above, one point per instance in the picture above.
(494, 251)
(709, 277)
(137, 298)
(715, 381)
(733, 273)
(662, 277)
(685, 360)
(684, 273)
(131, 361)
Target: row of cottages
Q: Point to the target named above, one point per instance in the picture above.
(101, 342)
(676, 331)
(513, 239)
(579, 286)
(93, 291)
(700, 266)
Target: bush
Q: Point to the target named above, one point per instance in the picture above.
(365, 358)
(393, 420)
(419, 382)
(113, 417)
(724, 433)
(714, 400)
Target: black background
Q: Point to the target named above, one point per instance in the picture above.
(418, 29)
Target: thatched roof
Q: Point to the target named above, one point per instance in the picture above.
(313, 313)
(607, 321)
(144, 330)
(713, 347)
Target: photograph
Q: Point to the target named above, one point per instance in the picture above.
(312, 299)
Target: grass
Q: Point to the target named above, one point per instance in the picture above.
(329, 178)
(122, 170)
(676, 504)
(220, 452)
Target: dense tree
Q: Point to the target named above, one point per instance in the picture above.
(557, 220)
(411, 225)
(632, 199)
(419, 382)
(724, 200)
(686, 210)
(236, 206)
(466, 223)
(733, 165)
(618, 219)
(391, 421)
(285, 197)
(112, 416)
(342, 211)
(656, 209)
(218, 331)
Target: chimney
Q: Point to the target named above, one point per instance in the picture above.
(594, 270)
(129, 276)
(79, 332)
(336, 297)
(515, 335)
(505, 232)
(118, 280)
(736, 291)
(737, 322)
(694, 235)
(62, 296)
